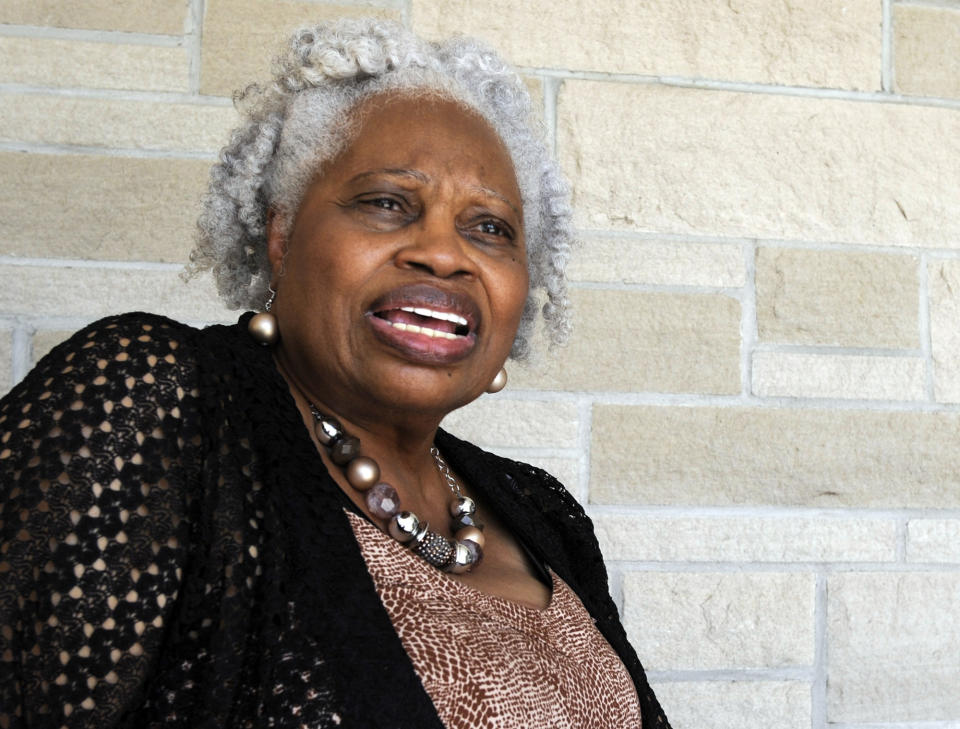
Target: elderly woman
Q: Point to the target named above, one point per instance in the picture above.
(262, 524)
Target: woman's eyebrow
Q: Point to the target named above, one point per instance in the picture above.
(499, 196)
(422, 178)
(414, 174)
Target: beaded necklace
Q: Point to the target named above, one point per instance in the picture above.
(461, 554)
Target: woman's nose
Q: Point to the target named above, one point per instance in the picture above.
(437, 247)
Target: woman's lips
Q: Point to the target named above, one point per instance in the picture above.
(425, 323)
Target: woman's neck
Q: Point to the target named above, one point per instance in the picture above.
(398, 441)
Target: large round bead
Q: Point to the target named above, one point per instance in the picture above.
(345, 450)
(404, 526)
(462, 559)
(363, 473)
(462, 506)
(499, 382)
(328, 430)
(470, 533)
(263, 328)
(383, 501)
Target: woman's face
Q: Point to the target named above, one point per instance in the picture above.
(405, 270)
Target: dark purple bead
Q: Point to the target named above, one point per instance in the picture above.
(345, 450)
(465, 521)
(382, 500)
(476, 552)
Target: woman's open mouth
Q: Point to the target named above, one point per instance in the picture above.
(426, 323)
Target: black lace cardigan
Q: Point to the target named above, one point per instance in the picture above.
(175, 554)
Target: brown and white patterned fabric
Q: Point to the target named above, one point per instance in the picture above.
(489, 663)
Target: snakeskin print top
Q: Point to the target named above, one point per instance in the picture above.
(489, 663)
(173, 552)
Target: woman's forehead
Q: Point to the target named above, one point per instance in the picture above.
(406, 132)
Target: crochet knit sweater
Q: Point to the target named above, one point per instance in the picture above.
(174, 552)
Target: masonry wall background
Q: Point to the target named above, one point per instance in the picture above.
(760, 406)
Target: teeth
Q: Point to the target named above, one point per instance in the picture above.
(422, 330)
(441, 315)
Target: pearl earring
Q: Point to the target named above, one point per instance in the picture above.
(499, 382)
(263, 326)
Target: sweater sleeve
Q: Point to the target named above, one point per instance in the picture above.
(97, 453)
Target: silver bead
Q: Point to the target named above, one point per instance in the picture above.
(461, 561)
(404, 526)
(263, 328)
(462, 506)
(471, 533)
(363, 473)
(328, 430)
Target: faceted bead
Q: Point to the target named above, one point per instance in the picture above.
(362, 473)
(345, 450)
(382, 500)
(476, 552)
(466, 521)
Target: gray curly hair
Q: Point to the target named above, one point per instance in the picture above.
(301, 120)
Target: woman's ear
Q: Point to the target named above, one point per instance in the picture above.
(276, 242)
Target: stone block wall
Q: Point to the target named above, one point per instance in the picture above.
(760, 405)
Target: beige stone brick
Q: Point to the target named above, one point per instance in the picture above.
(636, 341)
(944, 293)
(647, 157)
(91, 292)
(785, 374)
(83, 206)
(807, 44)
(926, 50)
(144, 16)
(50, 62)
(502, 422)
(46, 339)
(735, 704)
(6, 360)
(893, 642)
(240, 37)
(804, 457)
(745, 538)
(126, 124)
(933, 540)
(617, 260)
(715, 620)
(828, 297)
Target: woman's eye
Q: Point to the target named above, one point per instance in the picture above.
(491, 227)
(384, 203)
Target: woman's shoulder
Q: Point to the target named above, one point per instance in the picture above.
(114, 375)
(105, 354)
(137, 334)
